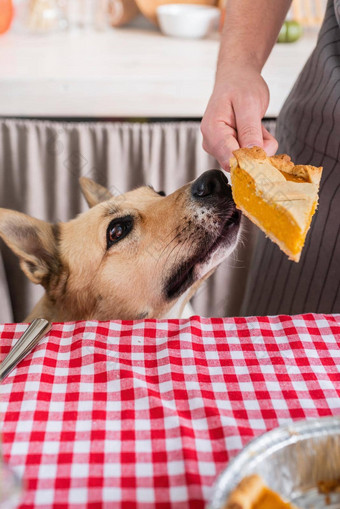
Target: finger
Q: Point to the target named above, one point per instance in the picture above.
(225, 147)
(248, 124)
(222, 145)
(270, 144)
(219, 133)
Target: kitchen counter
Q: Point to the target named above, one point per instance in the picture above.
(125, 72)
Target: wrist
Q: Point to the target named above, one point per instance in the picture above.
(237, 71)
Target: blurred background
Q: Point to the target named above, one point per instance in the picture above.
(115, 90)
(44, 16)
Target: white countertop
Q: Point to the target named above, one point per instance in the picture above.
(125, 72)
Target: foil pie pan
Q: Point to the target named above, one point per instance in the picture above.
(291, 459)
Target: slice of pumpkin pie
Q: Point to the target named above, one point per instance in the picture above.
(279, 197)
(253, 493)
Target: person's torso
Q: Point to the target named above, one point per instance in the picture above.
(312, 110)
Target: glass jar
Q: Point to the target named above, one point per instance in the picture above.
(45, 16)
(91, 14)
(10, 487)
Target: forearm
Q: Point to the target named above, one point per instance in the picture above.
(250, 31)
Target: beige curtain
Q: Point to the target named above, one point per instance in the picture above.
(41, 161)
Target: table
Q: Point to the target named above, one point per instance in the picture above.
(147, 413)
(127, 72)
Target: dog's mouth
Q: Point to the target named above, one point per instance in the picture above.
(185, 275)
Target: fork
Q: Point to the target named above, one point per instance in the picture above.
(25, 344)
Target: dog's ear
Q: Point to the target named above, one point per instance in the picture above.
(33, 241)
(93, 193)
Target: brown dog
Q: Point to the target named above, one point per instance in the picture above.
(138, 255)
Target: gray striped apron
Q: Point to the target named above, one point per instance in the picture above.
(308, 129)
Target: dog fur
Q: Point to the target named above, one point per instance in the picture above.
(142, 274)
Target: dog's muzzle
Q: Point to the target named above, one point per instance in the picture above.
(212, 191)
(211, 186)
(215, 230)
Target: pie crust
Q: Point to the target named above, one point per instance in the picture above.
(253, 493)
(277, 195)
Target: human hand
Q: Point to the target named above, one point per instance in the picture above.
(234, 113)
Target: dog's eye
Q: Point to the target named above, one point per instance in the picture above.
(118, 229)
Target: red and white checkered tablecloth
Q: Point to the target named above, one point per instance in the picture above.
(146, 414)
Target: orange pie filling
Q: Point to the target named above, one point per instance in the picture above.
(271, 500)
(271, 217)
(279, 197)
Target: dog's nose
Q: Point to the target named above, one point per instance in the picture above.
(211, 184)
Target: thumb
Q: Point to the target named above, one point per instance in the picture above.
(249, 128)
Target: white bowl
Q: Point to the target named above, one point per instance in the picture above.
(187, 20)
